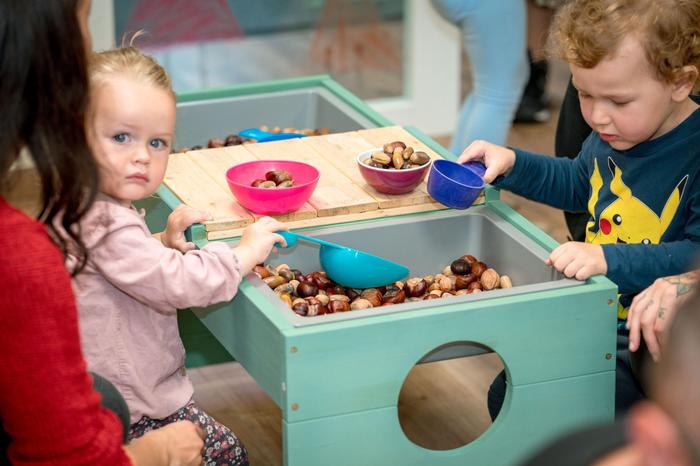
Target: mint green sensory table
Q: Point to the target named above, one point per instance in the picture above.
(337, 377)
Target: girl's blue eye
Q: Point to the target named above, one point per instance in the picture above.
(158, 143)
(121, 137)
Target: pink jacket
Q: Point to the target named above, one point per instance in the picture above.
(128, 295)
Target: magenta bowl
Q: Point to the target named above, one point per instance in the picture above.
(272, 201)
(391, 181)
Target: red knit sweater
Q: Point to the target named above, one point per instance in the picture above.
(47, 404)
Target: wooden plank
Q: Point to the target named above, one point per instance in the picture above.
(321, 221)
(335, 193)
(216, 162)
(196, 188)
(341, 149)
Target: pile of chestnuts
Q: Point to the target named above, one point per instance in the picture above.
(275, 179)
(235, 139)
(315, 294)
(397, 156)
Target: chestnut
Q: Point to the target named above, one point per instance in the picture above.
(321, 280)
(478, 268)
(286, 298)
(297, 273)
(446, 284)
(352, 293)
(470, 259)
(215, 142)
(261, 271)
(274, 281)
(360, 303)
(394, 296)
(339, 297)
(460, 267)
(285, 288)
(463, 281)
(505, 282)
(372, 295)
(338, 305)
(233, 140)
(475, 285)
(415, 287)
(287, 274)
(323, 299)
(316, 308)
(430, 296)
(489, 279)
(263, 184)
(335, 289)
(278, 176)
(306, 289)
(391, 146)
(419, 158)
(300, 308)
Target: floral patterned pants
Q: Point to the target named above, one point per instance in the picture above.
(221, 446)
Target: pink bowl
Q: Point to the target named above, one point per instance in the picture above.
(272, 201)
(391, 181)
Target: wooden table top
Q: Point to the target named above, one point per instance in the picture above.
(197, 178)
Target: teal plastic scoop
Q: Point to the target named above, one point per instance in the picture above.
(350, 267)
(265, 136)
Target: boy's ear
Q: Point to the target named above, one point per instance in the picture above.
(684, 82)
(653, 432)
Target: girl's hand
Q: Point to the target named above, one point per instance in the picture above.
(653, 309)
(180, 443)
(579, 260)
(182, 217)
(497, 159)
(257, 241)
(184, 442)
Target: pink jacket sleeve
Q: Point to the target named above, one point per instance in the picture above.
(125, 253)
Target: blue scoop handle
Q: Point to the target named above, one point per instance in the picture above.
(265, 136)
(292, 239)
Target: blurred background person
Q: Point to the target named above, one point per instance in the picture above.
(493, 36)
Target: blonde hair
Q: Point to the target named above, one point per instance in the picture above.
(584, 32)
(131, 62)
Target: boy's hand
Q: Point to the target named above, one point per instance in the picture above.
(497, 159)
(182, 217)
(579, 260)
(653, 310)
(257, 241)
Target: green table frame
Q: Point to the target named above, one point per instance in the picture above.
(338, 383)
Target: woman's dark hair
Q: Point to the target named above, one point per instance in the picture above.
(44, 97)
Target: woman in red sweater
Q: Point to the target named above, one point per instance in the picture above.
(49, 411)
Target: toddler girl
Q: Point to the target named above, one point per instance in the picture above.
(133, 284)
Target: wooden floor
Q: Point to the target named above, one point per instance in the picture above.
(443, 404)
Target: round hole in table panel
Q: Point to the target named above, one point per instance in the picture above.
(442, 403)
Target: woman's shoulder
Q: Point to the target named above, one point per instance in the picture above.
(21, 234)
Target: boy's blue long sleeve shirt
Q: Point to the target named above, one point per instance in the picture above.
(644, 203)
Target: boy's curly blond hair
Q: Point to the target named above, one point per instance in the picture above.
(131, 62)
(584, 32)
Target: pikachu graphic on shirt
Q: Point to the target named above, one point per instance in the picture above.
(627, 220)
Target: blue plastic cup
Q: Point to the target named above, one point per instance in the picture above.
(456, 185)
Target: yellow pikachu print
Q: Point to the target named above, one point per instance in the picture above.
(628, 219)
